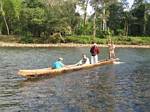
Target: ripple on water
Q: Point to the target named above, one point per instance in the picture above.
(114, 88)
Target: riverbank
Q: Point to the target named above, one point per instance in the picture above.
(79, 40)
(19, 45)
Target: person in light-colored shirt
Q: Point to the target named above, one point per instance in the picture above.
(58, 64)
(84, 60)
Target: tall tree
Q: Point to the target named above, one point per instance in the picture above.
(126, 16)
(103, 6)
(84, 6)
(146, 14)
(3, 14)
(94, 4)
(105, 12)
(140, 10)
(115, 18)
(33, 17)
(17, 6)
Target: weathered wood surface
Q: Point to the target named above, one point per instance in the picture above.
(52, 72)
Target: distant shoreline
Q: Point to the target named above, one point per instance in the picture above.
(19, 45)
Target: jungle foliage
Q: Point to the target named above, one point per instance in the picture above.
(54, 20)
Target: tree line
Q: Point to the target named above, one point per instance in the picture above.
(43, 18)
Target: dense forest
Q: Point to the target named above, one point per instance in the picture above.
(45, 19)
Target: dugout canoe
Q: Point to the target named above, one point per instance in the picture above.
(53, 72)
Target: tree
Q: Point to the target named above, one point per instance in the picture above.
(140, 10)
(83, 4)
(62, 16)
(10, 11)
(4, 18)
(146, 14)
(115, 19)
(102, 7)
(33, 17)
(105, 12)
(17, 6)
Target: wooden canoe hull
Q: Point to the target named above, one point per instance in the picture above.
(53, 72)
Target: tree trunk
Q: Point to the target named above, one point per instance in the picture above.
(0, 29)
(145, 22)
(85, 13)
(6, 25)
(104, 24)
(126, 28)
(4, 18)
(94, 26)
(145, 19)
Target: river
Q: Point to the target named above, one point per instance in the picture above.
(123, 87)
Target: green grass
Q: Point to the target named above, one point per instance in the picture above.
(132, 40)
(10, 38)
(83, 39)
(116, 39)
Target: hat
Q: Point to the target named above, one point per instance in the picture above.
(95, 44)
(60, 58)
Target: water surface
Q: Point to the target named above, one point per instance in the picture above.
(122, 87)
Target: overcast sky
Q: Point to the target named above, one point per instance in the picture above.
(90, 10)
(130, 2)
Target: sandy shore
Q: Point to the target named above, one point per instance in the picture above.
(3, 44)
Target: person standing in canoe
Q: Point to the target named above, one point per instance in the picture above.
(94, 53)
(111, 48)
(84, 60)
(58, 64)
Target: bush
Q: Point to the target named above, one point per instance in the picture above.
(85, 39)
(103, 34)
(79, 39)
(52, 39)
(27, 38)
(121, 38)
(55, 38)
(119, 32)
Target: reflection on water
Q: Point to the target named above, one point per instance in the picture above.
(122, 87)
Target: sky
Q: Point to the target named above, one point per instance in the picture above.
(90, 10)
(130, 2)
